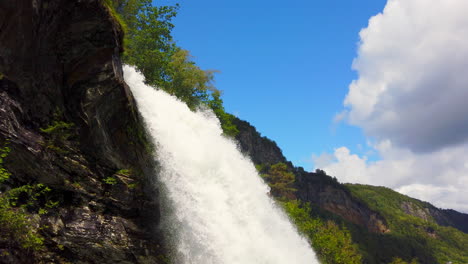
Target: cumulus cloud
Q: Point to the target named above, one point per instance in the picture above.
(410, 97)
(413, 75)
(439, 177)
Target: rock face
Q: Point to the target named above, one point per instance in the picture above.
(71, 123)
(261, 150)
(428, 212)
(328, 194)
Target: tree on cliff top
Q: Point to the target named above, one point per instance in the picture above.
(150, 47)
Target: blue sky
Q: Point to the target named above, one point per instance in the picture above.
(285, 65)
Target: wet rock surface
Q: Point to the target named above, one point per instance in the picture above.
(71, 124)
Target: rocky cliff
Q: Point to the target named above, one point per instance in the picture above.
(261, 150)
(71, 124)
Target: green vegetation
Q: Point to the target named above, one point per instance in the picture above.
(281, 181)
(400, 261)
(411, 237)
(58, 133)
(109, 4)
(16, 228)
(148, 41)
(226, 119)
(27, 195)
(110, 180)
(187, 81)
(125, 172)
(59, 130)
(132, 186)
(331, 242)
(150, 47)
(4, 174)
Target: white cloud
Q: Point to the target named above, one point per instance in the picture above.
(411, 97)
(413, 75)
(439, 177)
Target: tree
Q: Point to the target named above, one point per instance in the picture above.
(281, 181)
(187, 81)
(149, 46)
(148, 41)
(216, 103)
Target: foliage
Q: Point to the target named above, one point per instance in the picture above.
(332, 243)
(281, 181)
(57, 133)
(148, 40)
(15, 225)
(27, 196)
(109, 4)
(260, 167)
(186, 80)
(150, 47)
(59, 130)
(401, 261)
(4, 173)
(110, 180)
(132, 186)
(216, 103)
(125, 172)
(410, 237)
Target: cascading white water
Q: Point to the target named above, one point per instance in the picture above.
(220, 210)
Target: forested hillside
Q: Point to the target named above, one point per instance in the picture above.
(429, 234)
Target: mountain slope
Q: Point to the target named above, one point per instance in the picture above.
(416, 222)
(386, 225)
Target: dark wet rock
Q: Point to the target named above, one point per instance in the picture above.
(61, 63)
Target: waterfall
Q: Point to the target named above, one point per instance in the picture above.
(220, 212)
